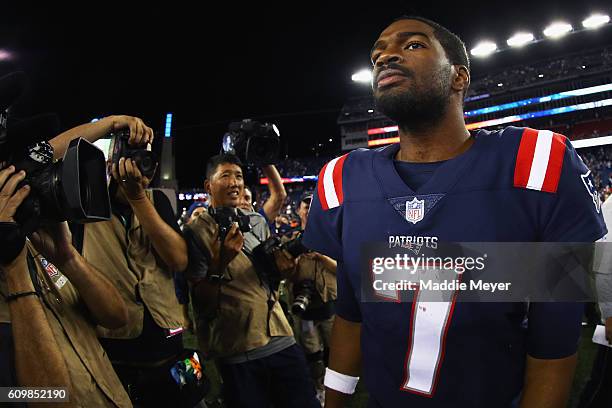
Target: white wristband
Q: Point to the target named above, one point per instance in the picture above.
(340, 382)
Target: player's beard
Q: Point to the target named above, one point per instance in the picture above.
(417, 108)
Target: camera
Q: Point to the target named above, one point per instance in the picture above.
(73, 189)
(145, 160)
(253, 142)
(263, 257)
(225, 217)
(295, 247)
(303, 292)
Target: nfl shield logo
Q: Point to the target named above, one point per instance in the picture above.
(415, 210)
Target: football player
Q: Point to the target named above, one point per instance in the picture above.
(442, 183)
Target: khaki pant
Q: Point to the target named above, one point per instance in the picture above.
(314, 336)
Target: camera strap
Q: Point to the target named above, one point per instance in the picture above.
(32, 269)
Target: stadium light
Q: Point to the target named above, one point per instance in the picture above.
(5, 55)
(364, 76)
(595, 21)
(484, 49)
(520, 39)
(557, 30)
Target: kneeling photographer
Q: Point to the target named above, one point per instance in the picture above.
(313, 291)
(52, 299)
(239, 319)
(143, 248)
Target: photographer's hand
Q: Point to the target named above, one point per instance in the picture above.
(233, 243)
(12, 240)
(168, 243)
(130, 179)
(54, 242)
(223, 253)
(9, 199)
(140, 134)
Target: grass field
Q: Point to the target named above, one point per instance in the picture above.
(586, 354)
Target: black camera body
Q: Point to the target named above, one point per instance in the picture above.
(295, 246)
(73, 189)
(146, 161)
(265, 261)
(255, 143)
(225, 217)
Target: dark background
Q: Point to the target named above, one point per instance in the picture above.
(289, 63)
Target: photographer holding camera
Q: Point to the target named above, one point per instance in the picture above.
(49, 314)
(142, 249)
(274, 204)
(313, 289)
(239, 319)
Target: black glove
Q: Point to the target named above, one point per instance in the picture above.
(12, 241)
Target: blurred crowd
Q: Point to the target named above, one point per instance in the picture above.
(524, 75)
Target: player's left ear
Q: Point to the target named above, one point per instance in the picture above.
(461, 78)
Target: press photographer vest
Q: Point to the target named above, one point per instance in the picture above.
(127, 258)
(94, 382)
(242, 321)
(324, 278)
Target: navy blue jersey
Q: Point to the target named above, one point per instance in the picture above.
(514, 185)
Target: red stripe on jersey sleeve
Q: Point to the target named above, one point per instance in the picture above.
(524, 157)
(338, 179)
(555, 164)
(321, 188)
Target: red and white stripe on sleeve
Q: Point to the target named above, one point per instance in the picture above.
(539, 160)
(329, 186)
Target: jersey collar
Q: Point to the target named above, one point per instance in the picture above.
(442, 181)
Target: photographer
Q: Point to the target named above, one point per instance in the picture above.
(238, 317)
(49, 313)
(140, 134)
(313, 289)
(274, 204)
(142, 249)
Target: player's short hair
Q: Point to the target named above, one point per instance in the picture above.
(215, 161)
(453, 46)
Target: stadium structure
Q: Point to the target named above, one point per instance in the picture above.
(571, 94)
(567, 90)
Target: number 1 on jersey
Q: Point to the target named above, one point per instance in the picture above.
(428, 327)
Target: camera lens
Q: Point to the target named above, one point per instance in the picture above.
(146, 164)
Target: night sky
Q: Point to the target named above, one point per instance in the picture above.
(289, 63)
